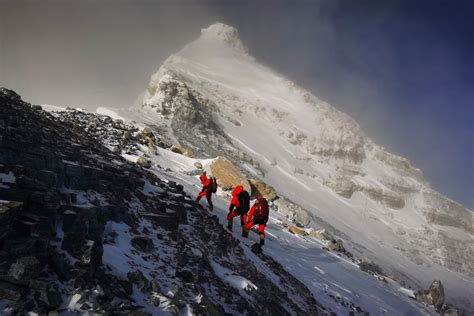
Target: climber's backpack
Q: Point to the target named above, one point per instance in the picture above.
(244, 202)
(213, 185)
(261, 210)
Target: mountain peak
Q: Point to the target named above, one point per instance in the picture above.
(224, 33)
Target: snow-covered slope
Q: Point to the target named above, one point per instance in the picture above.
(214, 98)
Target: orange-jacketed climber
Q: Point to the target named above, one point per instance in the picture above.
(258, 215)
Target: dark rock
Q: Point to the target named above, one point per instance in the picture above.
(91, 257)
(25, 268)
(185, 275)
(28, 183)
(137, 278)
(12, 292)
(450, 310)
(143, 244)
(19, 246)
(49, 178)
(69, 218)
(60, 265)
(8, 211)
(126, 286)
(46, 293)
(166, 221)
(23, 228)
(73, 242)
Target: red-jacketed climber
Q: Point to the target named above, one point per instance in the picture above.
(209, 186)
(239, 206)
(258, 215)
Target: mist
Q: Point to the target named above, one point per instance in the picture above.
(404, 71)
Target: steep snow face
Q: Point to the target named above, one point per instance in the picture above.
(217, 99)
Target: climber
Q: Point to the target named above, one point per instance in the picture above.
(239, 205)
(209, 186)
(258, 215)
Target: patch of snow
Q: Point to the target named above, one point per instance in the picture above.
(109, 112)
(232, 278)
(52, 108)
(7, 177)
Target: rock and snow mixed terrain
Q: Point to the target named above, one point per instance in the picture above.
(213, 98)
(84, 231)
(106, 221)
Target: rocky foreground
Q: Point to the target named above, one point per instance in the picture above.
(69, 205)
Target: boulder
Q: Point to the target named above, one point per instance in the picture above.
(315, 234)
(144, 162)
(261, 188)
(198, 165)
(183, 151)
(177, 149)
(295, 230)
(137, 278)
(143, 244)
(328, 236)
(299, 216)
(336, 246)
(69, 218)
(25, 268)
(432, 296)
(228, 175)
(47, 293)
(370, 267)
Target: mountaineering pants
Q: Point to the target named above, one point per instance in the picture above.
(234, 213)
(208, 194)
(261, 227)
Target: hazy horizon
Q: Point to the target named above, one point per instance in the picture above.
(403, 71)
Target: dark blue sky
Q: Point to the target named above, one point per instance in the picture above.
(403, 69)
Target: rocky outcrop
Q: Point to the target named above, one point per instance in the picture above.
(261, 188)
(346, 188)
(144, 162)
(228, 175)
(446, 212)
(299, 216)
(434, 295)
(77, 198)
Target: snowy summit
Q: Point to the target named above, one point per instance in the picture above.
(213, 98)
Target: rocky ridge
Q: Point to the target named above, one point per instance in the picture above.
(84, 230)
